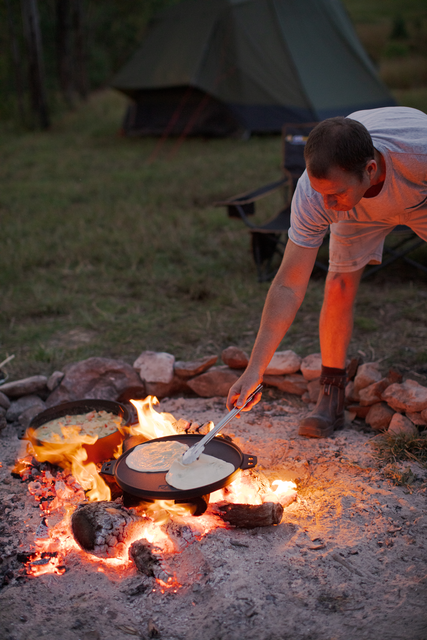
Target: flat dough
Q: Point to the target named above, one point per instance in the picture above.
(203, 471)
(153, 457)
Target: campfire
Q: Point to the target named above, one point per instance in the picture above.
(84, 512)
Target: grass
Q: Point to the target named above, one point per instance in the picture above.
(104, 252)
(390, 448)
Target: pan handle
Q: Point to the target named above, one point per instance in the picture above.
(21, 432)
(248, 461)
(108, 468)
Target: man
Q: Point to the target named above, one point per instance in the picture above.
(365, 174)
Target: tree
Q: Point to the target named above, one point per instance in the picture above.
(36, 73)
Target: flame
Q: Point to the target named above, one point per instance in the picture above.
(71, 455)
(151, 423)
(284, 487)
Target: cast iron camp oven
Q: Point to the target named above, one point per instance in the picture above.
(149, 486)
(104, 447)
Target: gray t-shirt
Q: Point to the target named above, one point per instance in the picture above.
(400, 135)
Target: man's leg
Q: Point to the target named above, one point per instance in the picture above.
(336, 326)
(336, 316)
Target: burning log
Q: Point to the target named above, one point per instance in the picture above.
(145, 561)
(250, 516)
(101, 528)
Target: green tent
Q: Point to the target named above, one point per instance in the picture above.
(223, 66)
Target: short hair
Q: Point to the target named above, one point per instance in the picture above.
(338, 142)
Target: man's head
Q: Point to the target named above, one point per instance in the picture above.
(342, 164)
(338, 142)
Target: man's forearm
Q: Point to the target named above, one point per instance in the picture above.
(283, 301)
(280, 308)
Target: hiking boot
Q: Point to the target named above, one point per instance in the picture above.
(328, 414)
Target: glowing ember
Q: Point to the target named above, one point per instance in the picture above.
(45, 562)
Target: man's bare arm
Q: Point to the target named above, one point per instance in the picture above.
(284, 298)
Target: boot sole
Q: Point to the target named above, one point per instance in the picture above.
(313, 431)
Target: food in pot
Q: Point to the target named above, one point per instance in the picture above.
(155, 456)
(70, 428)
(203, 471)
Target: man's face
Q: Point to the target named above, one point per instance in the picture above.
(341, 190)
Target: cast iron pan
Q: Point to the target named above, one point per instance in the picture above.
(153, 486)
(104, 447)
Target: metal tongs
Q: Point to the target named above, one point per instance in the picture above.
(196, 450)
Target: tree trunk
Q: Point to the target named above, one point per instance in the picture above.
(63, 50)
(16, 60)
(31, 22)
(81, 80)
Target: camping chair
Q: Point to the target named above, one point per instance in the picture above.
(398, 244)
(266, 239)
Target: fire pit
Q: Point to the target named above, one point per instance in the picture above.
(346, 558)
(64, 481)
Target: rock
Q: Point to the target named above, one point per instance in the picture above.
(155, 366)
(55, 380)
(424, 414)
(313, 388)
(417, 419)
(166, 390)
(292, 383)
(282, 363)
(215, 382)
(394, 376)
(351, 395)
(4, 401)
(135, 392)
(379, 416)
(235, 358)
(366, 375)
(311, 366)
(400, 425)
(358, 411)
(99, 378)
(19, 406)
(187, 370)
(372, 393)
(352, 367)
(24, 387)
(26, 416)
(3, 422)
(407, 397)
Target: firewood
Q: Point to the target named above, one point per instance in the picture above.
(102, 527)
(145, 561)
(249, 516)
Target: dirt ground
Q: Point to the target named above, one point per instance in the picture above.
(348, 559)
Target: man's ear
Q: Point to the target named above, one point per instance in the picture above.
(371, 168)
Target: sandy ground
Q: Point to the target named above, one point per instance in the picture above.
(347, 561)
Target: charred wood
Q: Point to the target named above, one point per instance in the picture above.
(250, 516)
(101, 528)
(145, 560)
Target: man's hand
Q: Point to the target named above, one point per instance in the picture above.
(241, 389)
